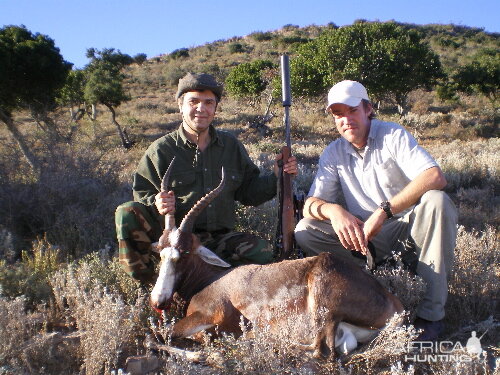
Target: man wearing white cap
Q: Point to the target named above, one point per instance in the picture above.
(375, 183)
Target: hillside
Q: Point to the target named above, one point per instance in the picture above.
(152, 84)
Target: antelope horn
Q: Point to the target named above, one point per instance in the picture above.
(169, 218)
(166, 177)
(188, 221)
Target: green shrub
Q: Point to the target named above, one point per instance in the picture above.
(245, 80)
(215, 70)
(260, 36)
(290, 27)
(173, 73)
(140, 58)
(30, 276)
(236, 48)
(372, 53)
(179, 53)
(293, 39)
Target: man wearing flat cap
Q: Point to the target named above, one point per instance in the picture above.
(375, 183)
(200, 152)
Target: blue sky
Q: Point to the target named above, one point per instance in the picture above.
(156, 27)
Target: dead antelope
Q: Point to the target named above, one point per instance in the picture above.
(337, 298)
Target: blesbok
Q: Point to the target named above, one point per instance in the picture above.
(323, 290)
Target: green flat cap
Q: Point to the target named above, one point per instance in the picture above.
(199, 81)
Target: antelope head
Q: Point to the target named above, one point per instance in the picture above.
(176, 242)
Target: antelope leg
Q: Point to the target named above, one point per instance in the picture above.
(196, 357)
(191, 324)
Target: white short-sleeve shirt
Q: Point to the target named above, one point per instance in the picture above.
(392, 159)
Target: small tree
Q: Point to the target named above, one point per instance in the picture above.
(236, 48)
(71, 94)
(179, 53)
(104, 83)
(31, 72)
(388, 59)
(246, 80)
(481, 76)
(140, 58)
(260, 36)
(110, 56)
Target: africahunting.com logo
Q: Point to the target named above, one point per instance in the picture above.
(443, 351)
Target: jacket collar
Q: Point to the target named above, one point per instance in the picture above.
(182, 140)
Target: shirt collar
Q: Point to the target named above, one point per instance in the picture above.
(349, 148)
(183, 141)
(373, 130)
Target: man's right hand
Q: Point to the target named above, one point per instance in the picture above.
(349, 230)
(165, 202)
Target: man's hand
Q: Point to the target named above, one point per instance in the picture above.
(165, 202)
(349, 228)
(289, 167)
(374, 223)
(350, 232)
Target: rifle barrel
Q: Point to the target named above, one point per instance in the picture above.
(287, 95)
(285, 81)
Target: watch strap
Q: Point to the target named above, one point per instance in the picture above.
(386, 206)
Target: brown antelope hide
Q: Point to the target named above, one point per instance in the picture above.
(339, 303)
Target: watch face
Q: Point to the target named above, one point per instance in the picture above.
(386, 206)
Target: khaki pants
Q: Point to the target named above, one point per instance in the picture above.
(425, 237)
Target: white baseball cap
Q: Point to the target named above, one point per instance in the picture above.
(347, 92)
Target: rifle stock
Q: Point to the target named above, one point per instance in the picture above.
(286, 209)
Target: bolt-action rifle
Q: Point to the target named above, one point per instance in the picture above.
(290, 207)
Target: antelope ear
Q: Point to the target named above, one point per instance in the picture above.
(208, 256)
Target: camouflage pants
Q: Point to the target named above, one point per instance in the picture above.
(138, 226)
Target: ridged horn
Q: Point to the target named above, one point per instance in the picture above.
(188, 221)
(166, 177)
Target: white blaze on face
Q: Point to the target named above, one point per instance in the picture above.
(164, 286)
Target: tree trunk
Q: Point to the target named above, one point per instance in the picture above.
(16, 134)
(402, 103)
(268, 108)
(123, 136)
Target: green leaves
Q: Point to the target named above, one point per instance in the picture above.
(71, 94)
(481, 76)
(104, 80)
(31, 70)
(388, 59)
(246, 79)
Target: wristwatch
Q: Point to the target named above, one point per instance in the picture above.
(386, 206)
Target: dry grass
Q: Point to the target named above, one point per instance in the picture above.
(408, 287)
(92, 298)
(474, 282)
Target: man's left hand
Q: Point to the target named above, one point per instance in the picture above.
(373, 224)
(289, 167)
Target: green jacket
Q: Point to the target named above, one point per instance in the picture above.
(195, 173)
